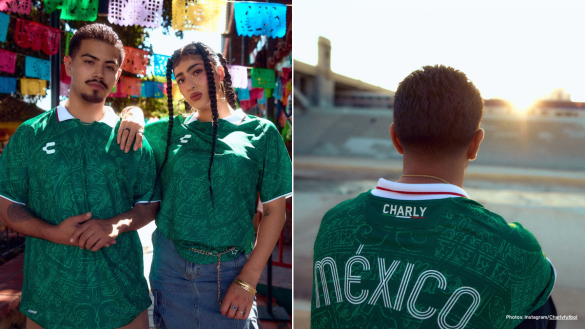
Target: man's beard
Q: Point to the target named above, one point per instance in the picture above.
(92, 98)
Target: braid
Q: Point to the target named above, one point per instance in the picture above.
(227, 82)
(213, 99)
(170, 130)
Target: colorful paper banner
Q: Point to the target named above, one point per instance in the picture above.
(253, 18)
(68, 36)
(37, 68)
(256, 93)
(243, 94)
(268, 93)
(152, 89)
(116, 92)
(33, 87)
(135, 61)
(197, 15)
(130, 86)
(263, 78)
(7, 61)
(277, 93)
(147, 13)
(74, 10)
(4, 22)
(160, 65)
(63, 89)
(36, 36)
(15, 6)
(64, 77)
(239, 75)
(245, 105)
(7, 85)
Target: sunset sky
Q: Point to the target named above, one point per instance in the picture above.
(516, 50)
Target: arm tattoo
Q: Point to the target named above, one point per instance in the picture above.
(18, 213)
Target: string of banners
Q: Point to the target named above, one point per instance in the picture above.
(252, 18)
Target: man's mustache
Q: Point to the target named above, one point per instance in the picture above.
(100, 82)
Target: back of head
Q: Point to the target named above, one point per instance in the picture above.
(437, 111)
(96, 31)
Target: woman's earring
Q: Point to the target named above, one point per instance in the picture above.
(222, 92)
(179, 104)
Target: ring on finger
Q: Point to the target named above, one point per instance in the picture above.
(243, 312)
(234, 307)
(126, 129)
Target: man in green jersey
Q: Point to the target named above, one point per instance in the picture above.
(79, 198)
(418, 253)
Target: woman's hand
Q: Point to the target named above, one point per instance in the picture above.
(131, 127)
(237, 302)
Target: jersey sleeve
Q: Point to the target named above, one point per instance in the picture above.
(156, 134)
(532, 275)
(276, 176)
(14, 167)
(144, 187)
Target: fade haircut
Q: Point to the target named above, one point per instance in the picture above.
(99, 32)
(437, 111)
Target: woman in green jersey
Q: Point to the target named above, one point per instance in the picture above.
(213, 165)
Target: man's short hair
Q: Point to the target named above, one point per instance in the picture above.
(437, 111)
(99, 32)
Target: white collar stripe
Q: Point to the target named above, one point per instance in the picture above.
(111, 119)
(413, 192)
(236, 118)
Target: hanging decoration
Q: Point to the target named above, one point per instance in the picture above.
(116, 92)
(63, 89)
(135, 60)
(263, 78)
(152, 89)
(33, 87)
(256, 93)
(286, 75)
(74, 10)
(239, 76)
(254, 18)
(37, 68)
(245, 105)
(268, 93)
(243, 94)
(36, 36)
(277, 89)
(146, 13)
(197, 15)
(160, 65)
(15, 6)
(4, 22)
(64, 77)
(7, 85)
(130, 86)
(7, 61)
(68, 36)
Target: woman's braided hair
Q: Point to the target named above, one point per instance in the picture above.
(210, 60)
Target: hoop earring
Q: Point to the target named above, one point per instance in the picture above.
(222, 92)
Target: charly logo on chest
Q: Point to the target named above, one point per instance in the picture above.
(48, 148)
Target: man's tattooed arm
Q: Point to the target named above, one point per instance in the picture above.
(18, 213)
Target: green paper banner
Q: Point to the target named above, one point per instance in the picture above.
(263, 78)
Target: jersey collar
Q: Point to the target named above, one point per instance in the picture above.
(111, 119)
(412, 192)
(236, 118)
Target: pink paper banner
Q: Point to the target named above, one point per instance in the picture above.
(7, 61)
(15, 6)
(36, 36)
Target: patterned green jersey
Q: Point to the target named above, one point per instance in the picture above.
(62, 168)
(250, 157)
(424, 256)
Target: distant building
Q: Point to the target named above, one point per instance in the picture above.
(319, 86)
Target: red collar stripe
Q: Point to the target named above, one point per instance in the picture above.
(405, 192)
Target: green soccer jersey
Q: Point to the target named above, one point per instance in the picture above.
(424, 256)
(62, 168)
(250, 157)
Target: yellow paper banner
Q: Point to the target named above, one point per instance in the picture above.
(33, 87)
(199, 15)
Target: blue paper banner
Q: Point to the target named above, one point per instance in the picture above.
(7, 85)
(254, 18)
(152, 89)
(160, 65)
(37, 68)
(243, 94)
(4, 21)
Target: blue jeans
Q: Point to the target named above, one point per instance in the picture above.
(185, 294)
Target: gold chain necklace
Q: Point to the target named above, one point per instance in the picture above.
(218, 255)
(427, 176)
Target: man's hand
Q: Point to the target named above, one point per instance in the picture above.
(131, 127)
(97, 233)
(62, 233)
